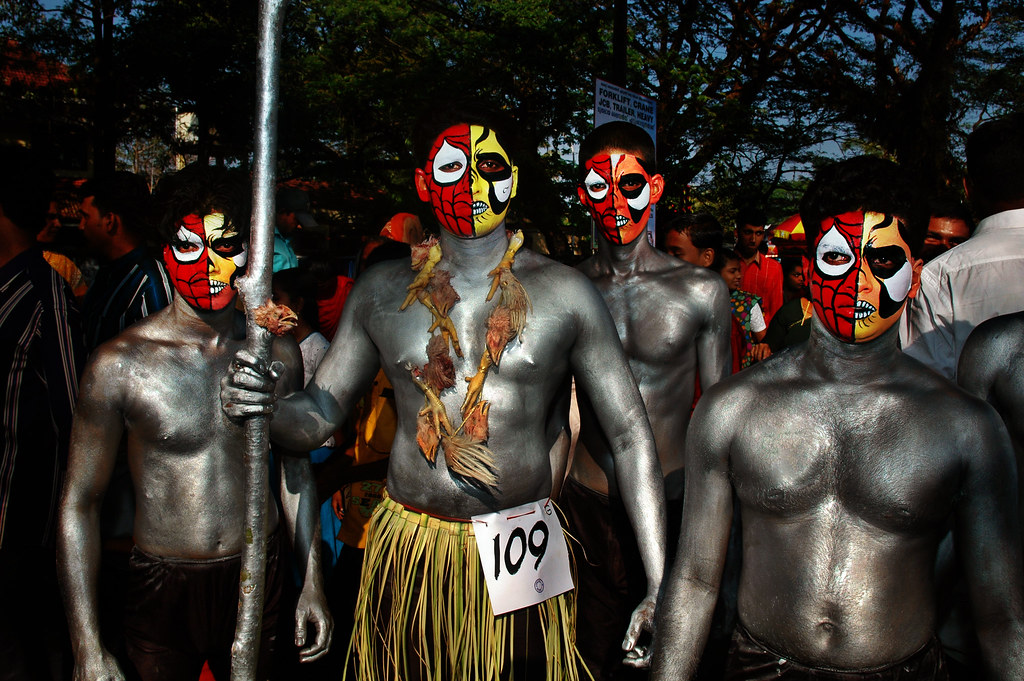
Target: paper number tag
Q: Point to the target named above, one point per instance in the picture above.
(523, 555)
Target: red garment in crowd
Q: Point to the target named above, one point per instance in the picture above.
(762, 276)
(738, 342)
(330, 308)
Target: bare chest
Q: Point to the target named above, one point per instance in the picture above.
(876, 466)
(174, 402)
(655, 324)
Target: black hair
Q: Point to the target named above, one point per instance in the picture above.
(703, 229)
(26, 187)
(864, 183)
(124, 194)
(200, 190)
(995, 159)
(751, 215)
(723, 257)
(953, 208)
(619, 135)
(439, 116)
(790, 262)
(298, 283)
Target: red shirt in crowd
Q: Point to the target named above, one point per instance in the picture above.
(330, 307)
(762, 276)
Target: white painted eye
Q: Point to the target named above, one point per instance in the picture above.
(898, 285)
(597, 186)
(242, 257)
(187, 246)
(833, 247)
(503, 189)
(449, 164)
(641, 202)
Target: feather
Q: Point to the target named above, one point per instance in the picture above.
(471, 460)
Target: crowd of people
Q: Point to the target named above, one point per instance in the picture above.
(776, 474)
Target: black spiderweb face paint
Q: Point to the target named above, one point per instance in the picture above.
(448, 181)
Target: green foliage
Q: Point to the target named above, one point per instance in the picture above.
(751, 94)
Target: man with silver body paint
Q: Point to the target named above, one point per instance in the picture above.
(154, 389)
(991, 367)
(849, 460)
(469, 179)
(673, 318)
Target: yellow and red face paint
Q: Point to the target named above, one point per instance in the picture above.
(204, 258)
(619, 192)
(862, 275)
(469, 180)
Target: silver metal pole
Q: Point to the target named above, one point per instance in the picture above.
(254, 288)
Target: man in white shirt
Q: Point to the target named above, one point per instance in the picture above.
(980, 278)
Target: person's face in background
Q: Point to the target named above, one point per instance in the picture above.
(678, 244)
(94, 225)
(793, 281)
(943, 234)
(748, 239)
(732, 274)
(48, 234)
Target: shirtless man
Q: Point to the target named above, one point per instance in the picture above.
(845, 476)
(991, 366)
(481, 426)
(673, 318)
(155, 388)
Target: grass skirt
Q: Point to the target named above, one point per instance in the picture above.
(424, 613)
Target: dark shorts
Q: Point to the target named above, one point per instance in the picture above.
(751, 660)
(611, 580)
(181, 613)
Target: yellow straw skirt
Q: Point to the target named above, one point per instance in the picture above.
(423, 611)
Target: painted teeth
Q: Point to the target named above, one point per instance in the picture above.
(216, 287)
(621, 221)
(479, 207)
(863, 309)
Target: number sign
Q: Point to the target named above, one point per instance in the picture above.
(523, 555)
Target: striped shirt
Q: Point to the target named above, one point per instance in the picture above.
(130, 288)
(41, 359)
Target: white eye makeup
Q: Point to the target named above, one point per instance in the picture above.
(597, 186)
(643, 200)
(187, 246)
(446, 156)
(832, 244)
(898, 285)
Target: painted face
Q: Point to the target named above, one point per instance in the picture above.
(619, 194)
(863, 275)
(203, 259)
(469, 180)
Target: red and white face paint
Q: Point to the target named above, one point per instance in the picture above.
(619, 193)
(204, 258)
(863, 275)
(469, 180)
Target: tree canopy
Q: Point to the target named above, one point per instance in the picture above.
(750, 93)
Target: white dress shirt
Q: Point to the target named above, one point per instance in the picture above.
(977, 280)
